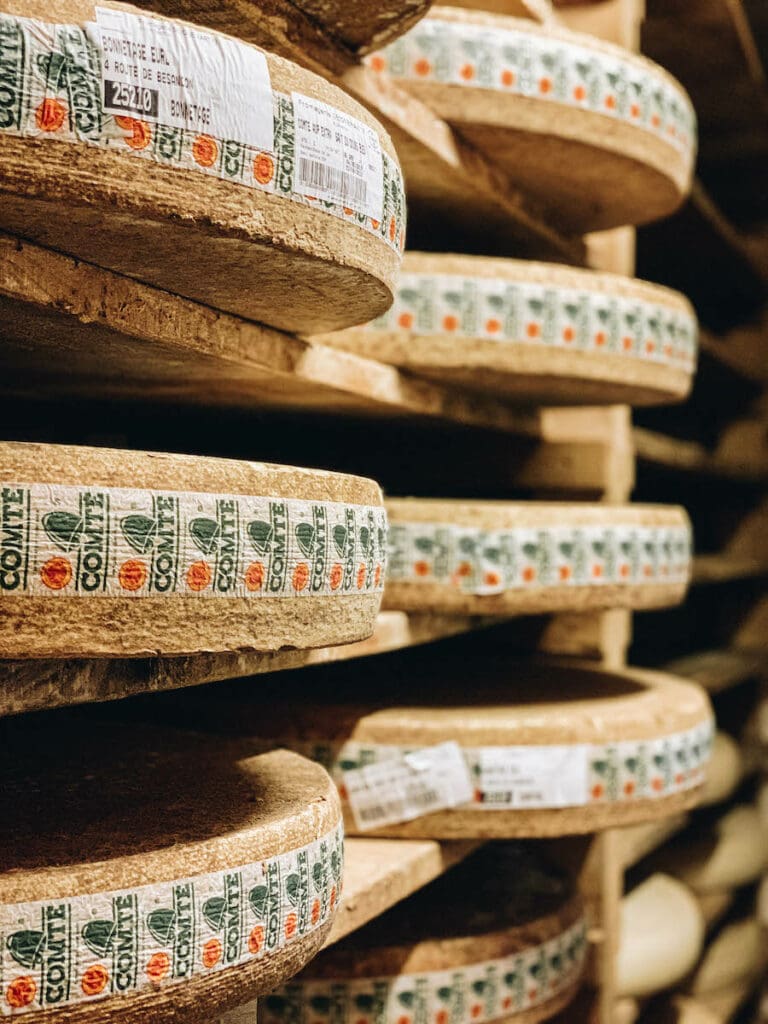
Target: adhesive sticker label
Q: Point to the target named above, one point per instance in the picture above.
(407, 786)
(521, 777)
(338, 158)
(171, 74)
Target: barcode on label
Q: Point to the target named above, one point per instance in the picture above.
(312, 174)
(407, 785)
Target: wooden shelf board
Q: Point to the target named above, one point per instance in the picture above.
(725, 568)
(38, 685)
(692, 457)
(378, 873)
(719, 670)
(69, 328)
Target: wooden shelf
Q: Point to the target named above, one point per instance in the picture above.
(692, 457)
(38, 685)
(719, 670)
(725, 568)
(378, 873)
(69, 328)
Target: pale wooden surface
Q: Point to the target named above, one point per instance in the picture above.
(718, 670)
(380, 872)
(71, 328)
(36, 685)
(692, 457)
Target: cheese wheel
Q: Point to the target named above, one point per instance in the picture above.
(498, 938)
(117, 553)
(536, 332)
(733, 954)
(150, 877)
(661, 936)
(598, 135)
(724, 771)
(241, 204)
(729, 853)
(507, 558)
(548, 749)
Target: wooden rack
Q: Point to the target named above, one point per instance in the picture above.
(167, 383)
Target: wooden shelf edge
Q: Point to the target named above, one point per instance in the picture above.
(378, 873)
(37, 685)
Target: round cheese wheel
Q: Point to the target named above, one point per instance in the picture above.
(600, 136)
(507, 558)
(536, 332)
(547, 749)
(729, 853)
(118, 553)
(724, 770)
(732, 955)
(499, 938)
(241, 204)
(152, 877)
(661, 936)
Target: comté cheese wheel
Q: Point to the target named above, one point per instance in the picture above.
(535, 332)
(661, 936)
(548, 748)
(152, 877)
(507, 558)
(498, 938)
(598, 135)
(195, 162)
(727, 854)
(120, 553)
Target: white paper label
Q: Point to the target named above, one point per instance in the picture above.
(171, 74)
(338, 158)
(520, 777)
(408, 786)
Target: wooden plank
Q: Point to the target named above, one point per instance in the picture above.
(741, 350)
(378, 873)
(725, 568)
(38, 685)
(730, 463)
(69, 328)
(719, 670)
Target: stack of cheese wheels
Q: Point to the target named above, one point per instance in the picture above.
(548, 749)
(223, 189)
(727, 854)
(155, 878)
(600, 136)
(538, 332)
(118, 553)
(498, 938)
(507, 558)
(661, 936)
